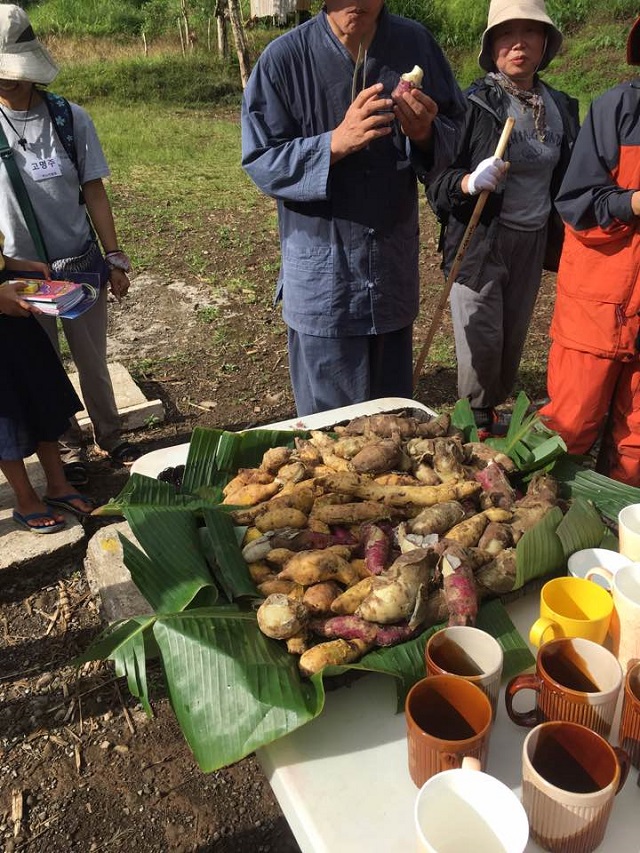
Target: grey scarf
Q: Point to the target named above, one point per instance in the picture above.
(530, 100)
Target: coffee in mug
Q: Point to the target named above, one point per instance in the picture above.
(630, 719)
(448, 718)
(570, 776)
(469, 653)
(575, 680)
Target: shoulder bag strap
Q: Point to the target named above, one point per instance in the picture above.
(6, 155)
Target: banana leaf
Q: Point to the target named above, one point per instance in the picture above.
(231, 688)
(530, 444)
(607, 495)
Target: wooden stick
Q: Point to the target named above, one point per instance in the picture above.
(462, 248)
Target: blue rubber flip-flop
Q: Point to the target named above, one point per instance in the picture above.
(23, 521)
(64, 502)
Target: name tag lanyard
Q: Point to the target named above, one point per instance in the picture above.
(6, 155)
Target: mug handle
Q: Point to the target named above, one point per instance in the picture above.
(625, 763)
(602, 573)
(471, 763)
(528, 681)
(540, 628)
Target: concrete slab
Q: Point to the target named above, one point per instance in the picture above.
(19, 547)
(108, 577)
(134, 408)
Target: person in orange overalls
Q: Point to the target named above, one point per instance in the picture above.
(593, 375)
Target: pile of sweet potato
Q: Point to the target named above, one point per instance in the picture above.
(367, 536)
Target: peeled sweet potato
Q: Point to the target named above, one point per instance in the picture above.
(437, 519)
(280, 617)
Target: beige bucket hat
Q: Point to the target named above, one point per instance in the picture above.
(510, 10)
(633, 44)
(22, 57)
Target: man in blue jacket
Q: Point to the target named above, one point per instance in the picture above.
(322, 135)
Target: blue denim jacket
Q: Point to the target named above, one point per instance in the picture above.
(348, 232)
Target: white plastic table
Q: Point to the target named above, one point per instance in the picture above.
(344, 787)
(342, 780)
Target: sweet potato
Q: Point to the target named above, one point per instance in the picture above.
(469, 531)
(459, 590)
(396, 478)
(281, 518)
(498, 576)
(384, 455)
(251, 494)
(393, 595)
(496, 537)
(256, 549)
(309, 567)
(426, 475)
(447, 460)
(332, 653)
(280, 617)
(437, 519)
(348, 446)
(479, 454)
(351, 513)
(496, 486)
(399, 495)
(293, 473)
(348, 602)
(347, 627)
(391, 635)
(273, 584)
(299, 643)
(319, 597)
(376, 547)
(274, 458)
(260, 572)
(279, 556)
(245, 477)
(384, 425)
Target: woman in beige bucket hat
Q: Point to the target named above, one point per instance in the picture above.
(493, 297)
(73, 217)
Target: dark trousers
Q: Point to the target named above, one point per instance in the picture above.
(327, 373)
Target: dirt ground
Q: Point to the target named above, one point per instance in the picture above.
(81, 766)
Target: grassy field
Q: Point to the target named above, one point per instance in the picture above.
(169, 127)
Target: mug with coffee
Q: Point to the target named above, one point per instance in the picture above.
(630, 719)
(625, 622)
(570, 776)
(470, 653)
(572, 607)
(466, 809)
(448, 718)
(575, 680)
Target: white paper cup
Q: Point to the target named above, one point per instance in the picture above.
(629, 532)
(581, 562)
(467, 809)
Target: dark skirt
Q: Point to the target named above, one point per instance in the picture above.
(36, 397)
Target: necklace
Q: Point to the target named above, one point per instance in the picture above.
(22, 141)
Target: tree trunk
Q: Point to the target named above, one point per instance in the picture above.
(223, 36)
(242, 48)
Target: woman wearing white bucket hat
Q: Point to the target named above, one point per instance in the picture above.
(56, 209)
(495, 291)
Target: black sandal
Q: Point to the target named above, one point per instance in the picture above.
(76, 473)
(125, 454)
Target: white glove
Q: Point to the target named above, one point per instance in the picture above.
(486, 175)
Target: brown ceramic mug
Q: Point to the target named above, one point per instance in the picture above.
(570, 776)
(469, 653)
(630, 719)
(448, 718)
(575, 679)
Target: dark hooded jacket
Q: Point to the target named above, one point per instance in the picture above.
(487, 111)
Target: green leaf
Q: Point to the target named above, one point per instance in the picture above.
(172, 569)
(540, 551)
(530, 444)
(462, 418)
(607, 495)
(225, 557)
(130, 661)
(232, 689)
(113, 637)
(580, 528)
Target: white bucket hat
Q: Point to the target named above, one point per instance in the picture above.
(22, 57)
(511, 10)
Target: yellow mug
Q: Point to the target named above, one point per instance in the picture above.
(572, 607)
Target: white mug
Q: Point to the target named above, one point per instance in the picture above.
(629, 531)
(625, 622)
(580, 562)
(466, 809)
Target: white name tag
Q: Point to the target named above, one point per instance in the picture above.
(41, 169)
